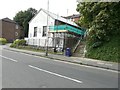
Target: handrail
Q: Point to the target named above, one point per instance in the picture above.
(79, 41)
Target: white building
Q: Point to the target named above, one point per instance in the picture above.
(58, 29)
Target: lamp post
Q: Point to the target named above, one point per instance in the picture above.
(65, 35)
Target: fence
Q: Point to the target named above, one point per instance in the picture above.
(38, 42)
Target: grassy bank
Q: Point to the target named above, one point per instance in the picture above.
(109, 51)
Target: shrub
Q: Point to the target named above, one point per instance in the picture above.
(13, 45)
(96, 44)
(108, 51)
(18, 42)
(22, 42)
(3, 41)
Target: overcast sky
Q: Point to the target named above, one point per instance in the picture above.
(9, 8)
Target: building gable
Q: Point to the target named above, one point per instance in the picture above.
(39, 21)
(8, 20)
(55, 17)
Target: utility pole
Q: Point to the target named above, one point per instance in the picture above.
(65, 34)
(46, 53)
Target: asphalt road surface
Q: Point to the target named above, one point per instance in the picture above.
(21, 70)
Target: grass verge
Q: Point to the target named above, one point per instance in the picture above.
(107, 52)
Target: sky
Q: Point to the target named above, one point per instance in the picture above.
(9, 8)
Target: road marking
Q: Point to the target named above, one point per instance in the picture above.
(8, 58)
(98, 68)
(56, 74)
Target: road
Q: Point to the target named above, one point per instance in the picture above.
(21, 70)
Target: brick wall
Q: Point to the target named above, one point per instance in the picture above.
(9, 31)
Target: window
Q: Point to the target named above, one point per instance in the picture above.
(35, 31)
(44, 31)
(16, 33)
(16, 26)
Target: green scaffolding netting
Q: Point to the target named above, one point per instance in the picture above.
(67, 27)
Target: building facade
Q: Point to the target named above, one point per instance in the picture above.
(10, 30)
(47, 28)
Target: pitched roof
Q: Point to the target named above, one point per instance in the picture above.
(57, 17)
(8, 20)
(73, 16)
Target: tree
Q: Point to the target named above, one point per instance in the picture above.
(102, 19)
(23, 17)
(102, 23)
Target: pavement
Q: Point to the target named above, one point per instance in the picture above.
(78, 60)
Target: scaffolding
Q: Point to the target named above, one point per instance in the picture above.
(66, 28)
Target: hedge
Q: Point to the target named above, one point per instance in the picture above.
(3, 41)
(18, 42)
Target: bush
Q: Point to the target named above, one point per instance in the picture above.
(18, 42)
(13, 45)
(22, 42)
(96, 44)
(3, 41)
(107, 51)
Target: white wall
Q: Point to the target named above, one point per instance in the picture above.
(39, 21)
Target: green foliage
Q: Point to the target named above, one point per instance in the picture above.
(108, 52)
(102, 20)
(96, 44)
(23, 17)
(18, 42)
(3, 41)
(13, 45)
